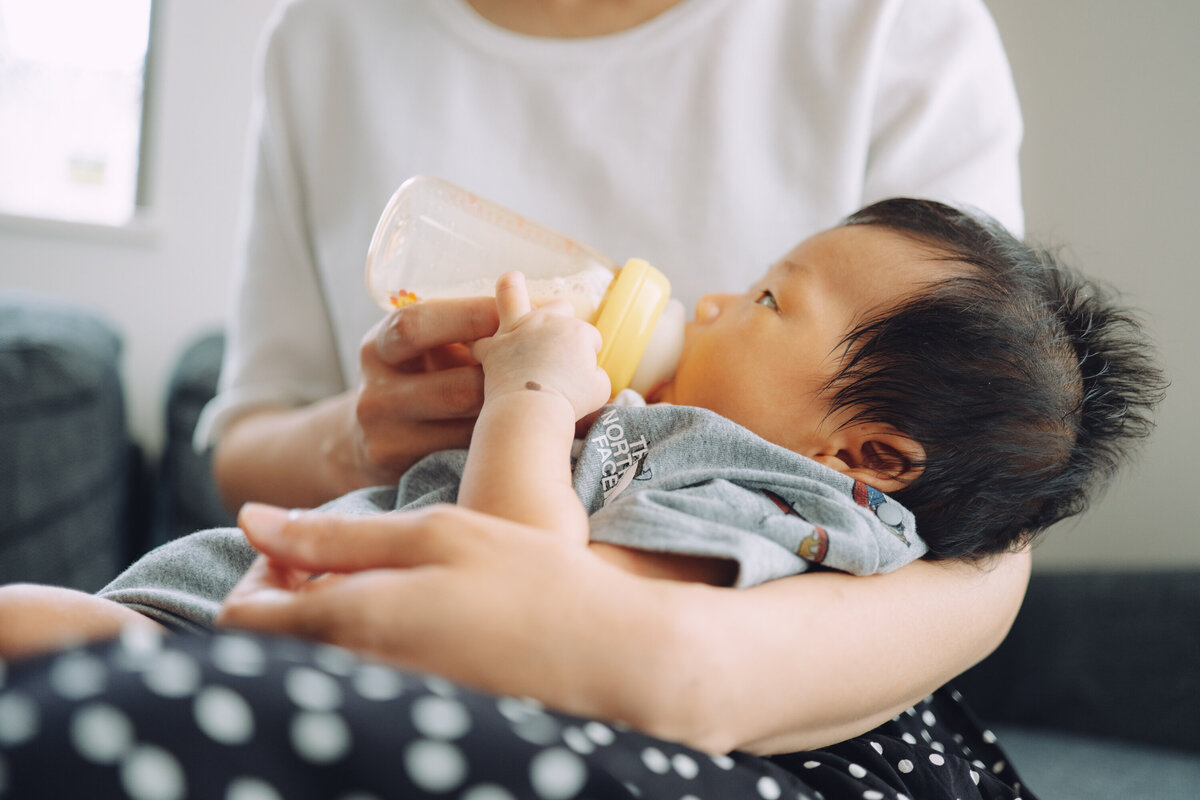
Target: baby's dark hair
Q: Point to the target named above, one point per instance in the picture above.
(1026, 384)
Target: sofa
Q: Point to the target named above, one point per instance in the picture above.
(1093, 693)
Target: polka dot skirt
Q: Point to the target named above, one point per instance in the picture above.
(241, 717)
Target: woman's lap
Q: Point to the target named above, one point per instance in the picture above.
(246, 718)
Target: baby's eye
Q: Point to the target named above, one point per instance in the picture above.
(767, 299)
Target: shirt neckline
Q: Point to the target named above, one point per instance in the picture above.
(661, 31)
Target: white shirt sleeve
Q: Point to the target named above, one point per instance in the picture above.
(946, 122)
(280, 348)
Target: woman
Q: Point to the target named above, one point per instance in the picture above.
(696, 134)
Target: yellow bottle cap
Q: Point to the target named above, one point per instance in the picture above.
(626, 319)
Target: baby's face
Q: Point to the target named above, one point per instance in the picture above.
(762, 358)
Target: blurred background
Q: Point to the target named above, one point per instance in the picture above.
(1111, 97)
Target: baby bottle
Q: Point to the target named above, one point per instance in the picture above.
(437, 240)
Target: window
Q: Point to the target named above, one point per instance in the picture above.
(72, 89)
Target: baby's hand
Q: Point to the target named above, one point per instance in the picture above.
(541, 349)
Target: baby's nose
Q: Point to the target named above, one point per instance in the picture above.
(708, 308)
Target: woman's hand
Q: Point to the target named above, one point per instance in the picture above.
(505, 607)
(420, 391)
(792, 664)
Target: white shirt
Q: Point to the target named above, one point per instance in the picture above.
(709, 141)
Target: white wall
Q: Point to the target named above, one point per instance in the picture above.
(1112, 102)
(1111, 95)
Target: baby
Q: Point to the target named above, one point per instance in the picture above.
(915, 369)
(916, 358)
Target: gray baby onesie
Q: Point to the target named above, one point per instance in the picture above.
(674, 479)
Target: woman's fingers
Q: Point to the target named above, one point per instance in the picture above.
(319, 542)
(390, 397)
(416, 329)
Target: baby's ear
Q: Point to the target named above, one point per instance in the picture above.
(876, 454)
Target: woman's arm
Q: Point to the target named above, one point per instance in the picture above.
(847, 653)
(420, 392)
(797, 663)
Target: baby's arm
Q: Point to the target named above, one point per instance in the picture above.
(540, 376)
(41, 618)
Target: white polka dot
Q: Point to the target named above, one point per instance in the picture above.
(901, 797)
(487, 791)
(928, 718)
(333, 659)
(975, 777)
(768, 788)
(440, 686)
(101, 733)
(435, 766)
(908, 737)
(528, 720)
(18, 718)
(172, 674)
(857, 771)
(998, 767)
(936, 759)
(655, 760)
(151, 773)
(251, 789)
(577, 740)
(440, 718)
(811, 764)
(375, 682)
(140, 642)
(599, 733)
(633, 790)
(723, 761)
(877, 747)
(557, 774)
(77, 675)
(685, 765)
(238, 655)
(223, 715)
(905, 766)
(871, 794)
(513, 709)
(989, 737)
(312, 689)
(320, 736)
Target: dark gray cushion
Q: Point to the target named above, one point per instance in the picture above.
(187, 495)
(1058, 766)
(1110, 654)
(65, 453)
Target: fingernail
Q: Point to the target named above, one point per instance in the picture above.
(263, 519)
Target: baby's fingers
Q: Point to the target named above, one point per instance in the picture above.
(512, 299)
